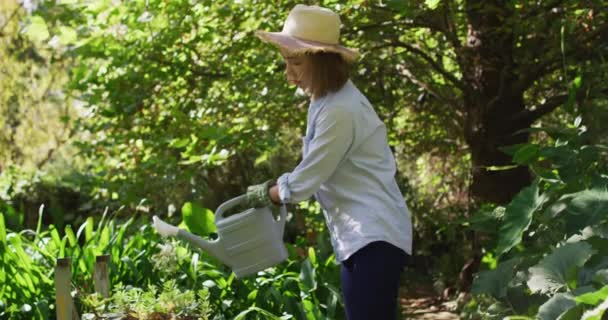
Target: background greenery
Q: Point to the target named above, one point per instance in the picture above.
(112, 111)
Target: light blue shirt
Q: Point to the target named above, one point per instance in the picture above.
(349, 167)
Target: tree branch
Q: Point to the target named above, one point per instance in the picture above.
(552, 64)
(450, 28)
(529, 116)
(8, 20)
(408, 74)
(542, 9)
(429, 60)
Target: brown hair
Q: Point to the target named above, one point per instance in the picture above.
(329, 72)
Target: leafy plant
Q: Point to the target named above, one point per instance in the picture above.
(164, 276)
(137, 303)
(552, 238)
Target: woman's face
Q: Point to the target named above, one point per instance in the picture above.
(297, 70)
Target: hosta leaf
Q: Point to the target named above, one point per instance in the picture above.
(556, 306)
(495, 282)
(517, 218)
(551, 274)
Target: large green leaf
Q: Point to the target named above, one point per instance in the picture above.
(556, 306)
(199, 220)
(517, 218)
(495, 282)
(587, 208)
(554, 271)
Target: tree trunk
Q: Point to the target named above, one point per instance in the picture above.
(490, 102)
(489, 72)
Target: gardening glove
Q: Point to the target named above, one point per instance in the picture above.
(258, 195)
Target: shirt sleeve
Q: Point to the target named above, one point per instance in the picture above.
(334, 132)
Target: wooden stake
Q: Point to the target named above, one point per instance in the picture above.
(101, 278)
(63, 299)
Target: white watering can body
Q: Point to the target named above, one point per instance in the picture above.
(248, 242)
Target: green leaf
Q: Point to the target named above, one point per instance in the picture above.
(67, 35)
(597, 313)
(495, 282)
(574, 88)
(432, 4)
(265, 313)
(199, 220)
(587, 208)
(526, 154)
(556, 306)
(88, 229)
(517, 218)
(307, 277)
(2, 229)
(179, 143)
(71, 236)
(593, 298)
(39, 224)
(37, 30)
(552, 273)
(574, 313)
(312, 256)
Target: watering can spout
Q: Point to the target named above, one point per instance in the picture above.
(213, 247)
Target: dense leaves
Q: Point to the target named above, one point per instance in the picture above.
(145, 107)
(559, 254)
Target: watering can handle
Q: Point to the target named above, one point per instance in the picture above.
(238, 200)
(228, 205)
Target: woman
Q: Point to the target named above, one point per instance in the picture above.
(346, 163)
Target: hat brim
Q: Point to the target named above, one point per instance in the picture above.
(296, 45)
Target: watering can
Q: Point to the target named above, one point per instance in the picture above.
(248, 242)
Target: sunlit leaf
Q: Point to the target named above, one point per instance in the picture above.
(37, 29)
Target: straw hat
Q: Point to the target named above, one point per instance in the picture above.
(310, 29)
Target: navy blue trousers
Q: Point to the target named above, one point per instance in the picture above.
(370, 281)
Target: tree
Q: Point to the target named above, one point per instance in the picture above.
(495, 66)
(35, 111)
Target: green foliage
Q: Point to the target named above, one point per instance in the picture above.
(555, 271)
(177, 101)
(517, 218)
(199, 220)
(496, 282)
(169, 301)
(150, 275)
(553, 233)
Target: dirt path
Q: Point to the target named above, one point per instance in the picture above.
(423, 304)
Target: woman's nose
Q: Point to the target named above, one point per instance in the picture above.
(290, 74)
(288, 70)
